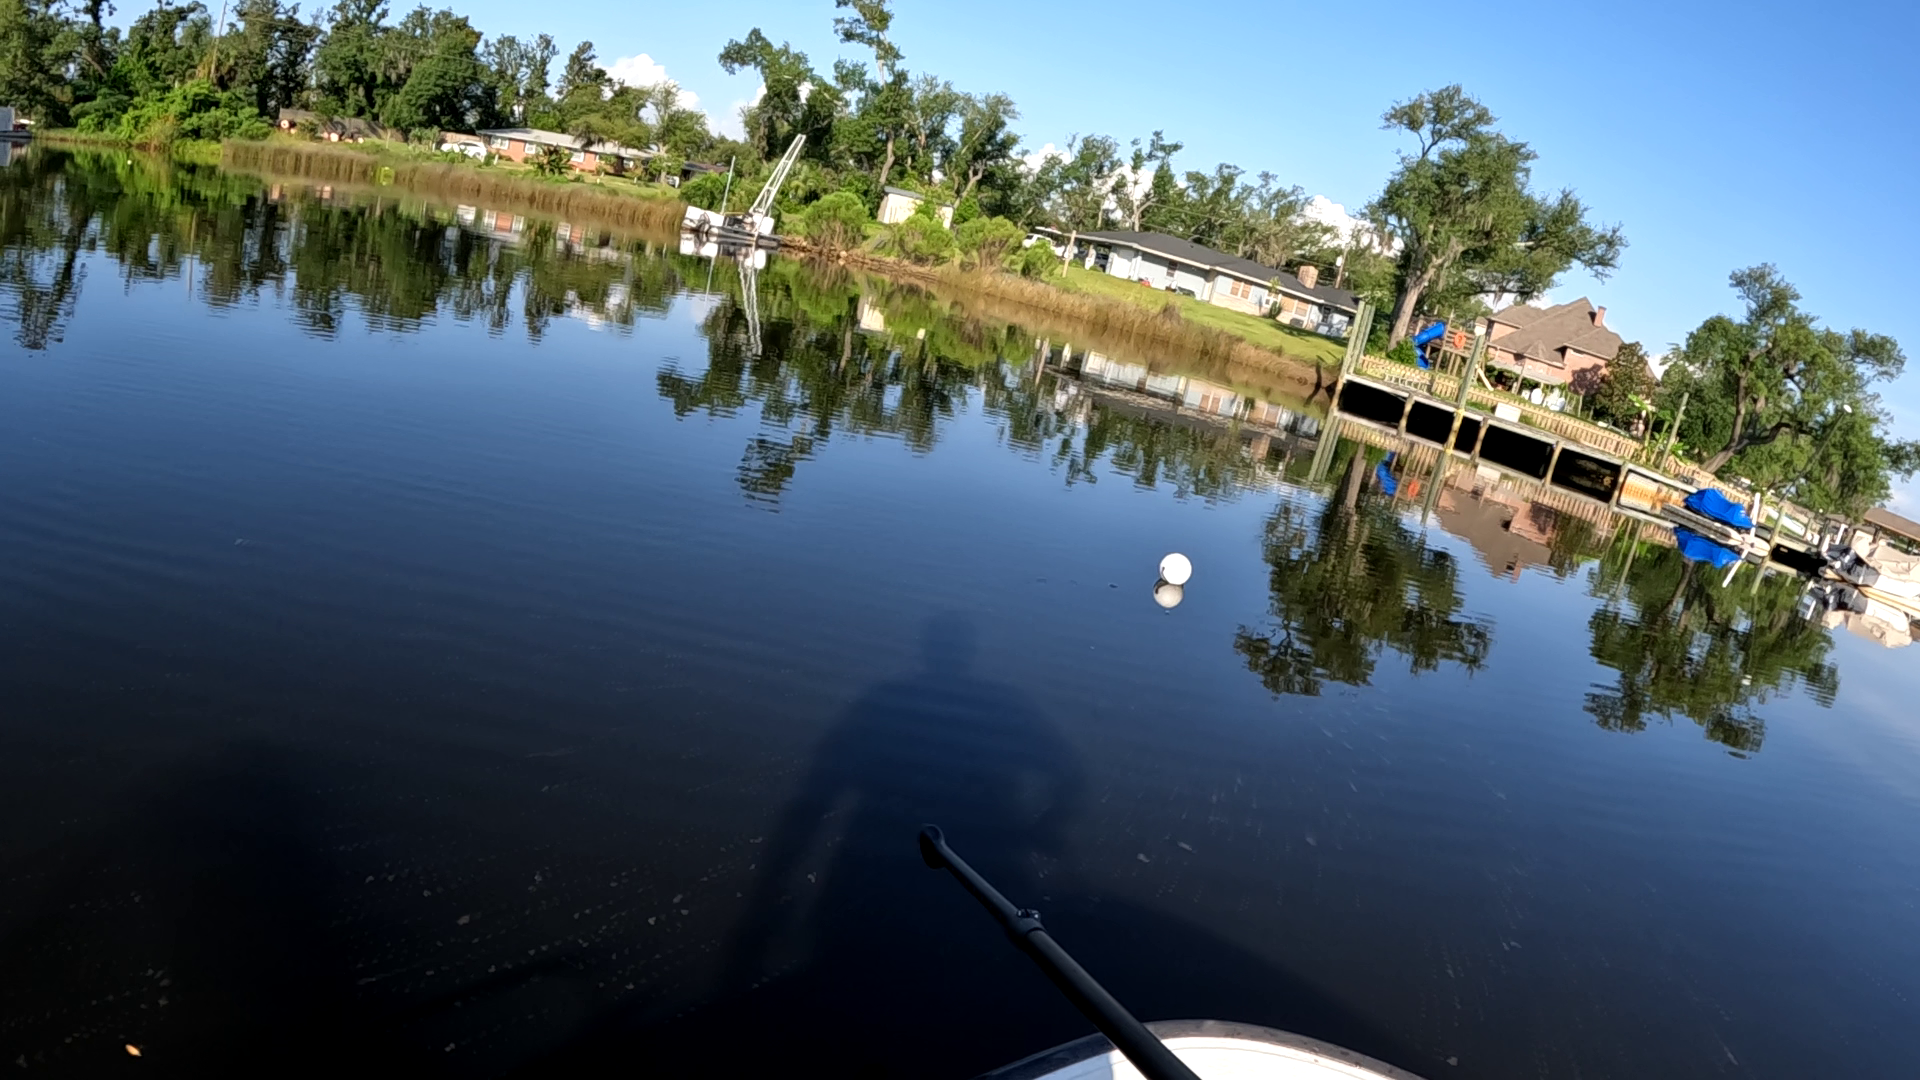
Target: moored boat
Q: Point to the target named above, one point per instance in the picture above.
(1873, 563)
(1709, 513)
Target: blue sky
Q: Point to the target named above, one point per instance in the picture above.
(1719, 134)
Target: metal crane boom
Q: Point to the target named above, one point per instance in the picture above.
(763, 205)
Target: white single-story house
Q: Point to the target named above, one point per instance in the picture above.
(898, 204)
(1229, 281)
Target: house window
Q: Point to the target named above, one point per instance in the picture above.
(1240, 290)
(579, 156)
(499, 142)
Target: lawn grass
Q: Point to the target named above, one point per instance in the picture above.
(1266, 333)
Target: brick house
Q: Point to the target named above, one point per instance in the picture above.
(1566, 345)
(523, 144)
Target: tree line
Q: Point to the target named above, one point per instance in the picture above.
(1457, 226)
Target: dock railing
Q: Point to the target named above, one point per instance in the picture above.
(1446, 387)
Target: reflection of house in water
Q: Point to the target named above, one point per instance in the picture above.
(1183, 400)
(1507, 532)
(1192, 394)
(494, 224)
(872, 319)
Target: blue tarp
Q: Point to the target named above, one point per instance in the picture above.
(1700, 549)
(1709, 503)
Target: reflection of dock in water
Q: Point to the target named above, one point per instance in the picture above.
(1516, 513)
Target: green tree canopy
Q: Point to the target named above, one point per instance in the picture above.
(1463, 209)
(1785, 402)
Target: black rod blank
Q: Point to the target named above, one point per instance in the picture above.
(1128, 1034)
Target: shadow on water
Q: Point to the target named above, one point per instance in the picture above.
(852, 959)
(226, 948)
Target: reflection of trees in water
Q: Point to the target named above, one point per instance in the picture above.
(1349, 582)
(817, 374)
(40, 243)
(398, 263)
(395, 262)
(1684, 644)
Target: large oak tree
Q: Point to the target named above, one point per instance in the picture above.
(1462, 206)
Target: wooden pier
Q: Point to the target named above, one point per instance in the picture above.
(1462, 422)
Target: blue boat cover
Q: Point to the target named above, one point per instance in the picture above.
(1709, 503)
(1698, 548)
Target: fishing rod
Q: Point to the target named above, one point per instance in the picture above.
(1128, 1034)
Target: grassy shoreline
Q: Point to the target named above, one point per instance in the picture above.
(1092, 317)
(192, 151)
(1074, 310)
(323, 164)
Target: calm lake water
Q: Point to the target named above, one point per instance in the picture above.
(494, 647)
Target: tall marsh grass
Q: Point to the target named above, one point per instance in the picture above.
(316, 163)
(1106, 319)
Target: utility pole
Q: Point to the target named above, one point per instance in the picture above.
(213, 50)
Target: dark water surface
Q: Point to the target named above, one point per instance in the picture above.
(438, 641)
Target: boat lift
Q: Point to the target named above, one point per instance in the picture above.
(755, 227)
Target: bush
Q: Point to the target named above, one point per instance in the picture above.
(193, 111)
(1404, 353)
(968, 210)
(1037, 261)
(863, 187)
(553, 161)
(921, 238)
(704, 191)
(837, 222)
(103, 113)
(986, 242)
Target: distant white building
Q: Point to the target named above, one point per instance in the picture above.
(898, 204)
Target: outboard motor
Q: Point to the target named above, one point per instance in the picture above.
(1856, 570)
(1825, 596)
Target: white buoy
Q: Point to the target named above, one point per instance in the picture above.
(1168, 595)
(1175, 569)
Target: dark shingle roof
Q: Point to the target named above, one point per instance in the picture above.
(1565, 326)
(1161, 244)
(1200, 255)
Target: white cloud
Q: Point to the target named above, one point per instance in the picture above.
(644, 70)
(1039, 157)
(732, 125)
(1905, 500)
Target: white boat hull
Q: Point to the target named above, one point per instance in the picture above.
(1213, 1049)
